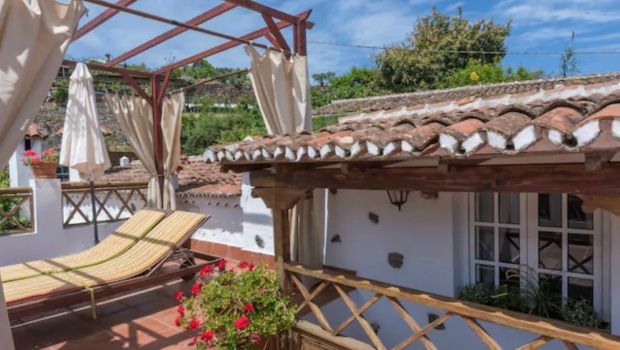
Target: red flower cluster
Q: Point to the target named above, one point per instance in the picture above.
(207, 270)
(222, 265)
(48, 153)
(249, 308)
(178, 295)
(206, 336)
(29, 153)
(177, 321)
(243, 264)
(255, 339)
(242, 322)
(196, 288)
(181, 309)
(179, 169)
(35, 159)
(193, 324)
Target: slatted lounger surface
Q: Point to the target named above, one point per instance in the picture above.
(116, 243)
(154, 247)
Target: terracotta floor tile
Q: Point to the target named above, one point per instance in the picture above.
(143, 320)
(96, 341)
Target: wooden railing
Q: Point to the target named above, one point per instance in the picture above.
(471, 313)
(16, 210)
(114, 201)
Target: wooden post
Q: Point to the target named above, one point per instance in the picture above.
(280, 201)
(158, 137)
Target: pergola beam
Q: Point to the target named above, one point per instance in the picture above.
(228, 45)
(116, 70)
(280, 42)
(266, 10)
(541, 178)
(97, 21)
(175, 23)
(206, 16)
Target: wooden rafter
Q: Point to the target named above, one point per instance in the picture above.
(276, 33)
(265, 10)
(97, 21)
(226, 46)
(204, 17)
(547, 178)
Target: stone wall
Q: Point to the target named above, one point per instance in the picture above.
(51, 118)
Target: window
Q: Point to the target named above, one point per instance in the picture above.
(549, 233)
(498, 237)
(62, 173)
(566, 240)
(27, 144)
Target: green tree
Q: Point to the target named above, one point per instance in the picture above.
(477, 73)
(433, 52)
(356, 83)
(323, 79)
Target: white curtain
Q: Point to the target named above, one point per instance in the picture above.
(135, 116)
(282, 90)
(172, 113)
(34, 36)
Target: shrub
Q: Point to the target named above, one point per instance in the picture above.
(238, 310)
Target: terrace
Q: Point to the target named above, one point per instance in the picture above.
(480, 182)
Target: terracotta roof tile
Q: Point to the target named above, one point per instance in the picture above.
(565, 118)
(35, 131)
(197, 179)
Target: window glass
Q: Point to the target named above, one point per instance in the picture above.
(581, 288)
(485, 274)
(580, 253)
(509, 241)
(485, 243)
(550, 210)
(576, 217)
(509, 208)
(550, 250)
(484, 207)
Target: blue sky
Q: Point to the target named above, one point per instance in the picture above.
(538, 25)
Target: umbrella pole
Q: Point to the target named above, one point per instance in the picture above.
(92, 196)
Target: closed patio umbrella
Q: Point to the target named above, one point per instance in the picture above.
(83, 147)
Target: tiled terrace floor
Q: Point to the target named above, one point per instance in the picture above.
(138, 320)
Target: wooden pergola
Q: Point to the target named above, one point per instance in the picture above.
(159, 79)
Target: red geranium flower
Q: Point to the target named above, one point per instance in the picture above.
(181, 309)
(206, 270)
(179, 168)
(30, 153)
(222, 264)
(206, 336)
(196, 288)
(194, 341)
(251, 267)
(36, 159)
(255, 339)
(177, 321)
(249, 308)
(242, 322)
(243, 264)
(178, 295)
(193, 324)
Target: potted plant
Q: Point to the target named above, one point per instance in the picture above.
(241, 309)
(43, 166)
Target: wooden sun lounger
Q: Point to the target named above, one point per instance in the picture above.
(123, 238)
(134, 268)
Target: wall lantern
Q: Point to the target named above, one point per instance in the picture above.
(398, 198)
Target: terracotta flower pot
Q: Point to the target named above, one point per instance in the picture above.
(44, 170)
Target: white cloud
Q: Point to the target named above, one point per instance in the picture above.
(536, 11)
(455, 6)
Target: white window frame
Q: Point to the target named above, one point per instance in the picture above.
(528, 226)
(596, 232)
(496, 225)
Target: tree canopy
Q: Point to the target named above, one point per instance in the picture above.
(433, 51)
